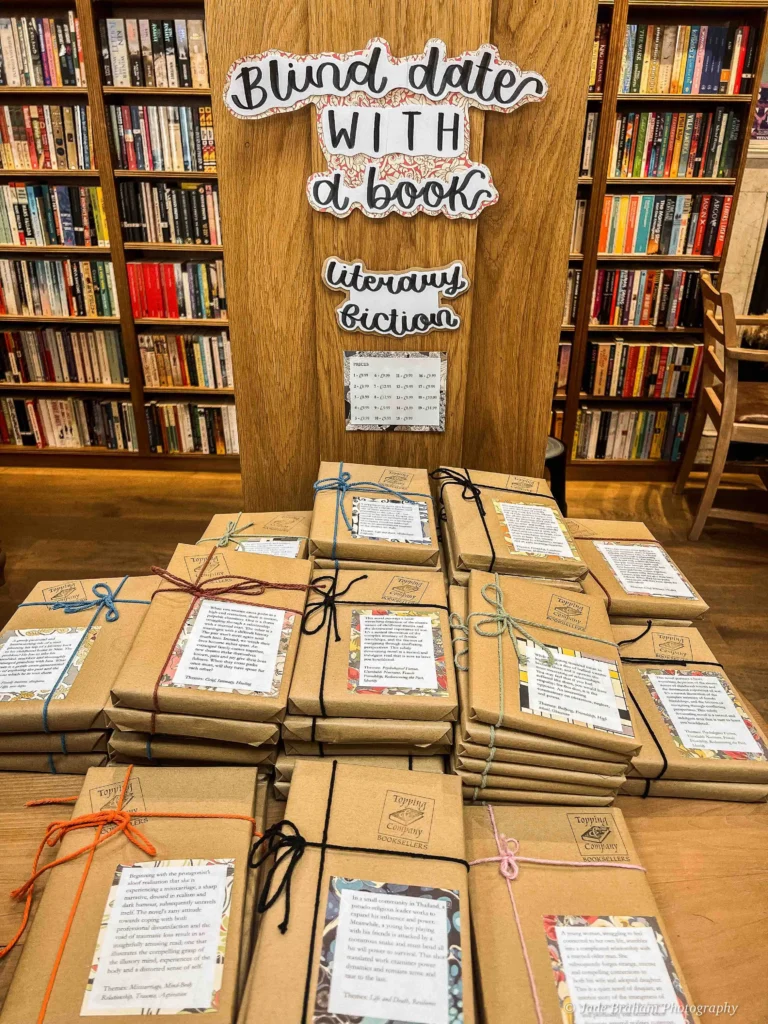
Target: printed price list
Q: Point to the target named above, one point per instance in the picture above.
(394, 390)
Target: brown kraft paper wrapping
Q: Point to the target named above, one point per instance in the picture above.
(229, 531)
(92, 741)
(738, 792)
(510, 742)
(56, 764)
(172, 748)
(82, 706)
(472, 780)
(329, 563)
(327, 672)
(361, 731)
(255, 734)
(152, 654)
(370, 483)
(543, 894)
(197, 792)
(402, 813)
(464, 493)
(502, 757)
(568, 622)
(588, 533)
(663, 754)
(531, 796)
(501, 774)
(388, 749)
(284, 766)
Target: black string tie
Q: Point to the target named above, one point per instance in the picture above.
(326, 606)
(469, 492)
(287, 846)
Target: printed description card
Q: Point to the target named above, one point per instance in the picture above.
(533, 529)
(284, 547)
(390, 953)
(644, 569)
(390, 519)
(33, 660)
(232, 647)
(162, 940)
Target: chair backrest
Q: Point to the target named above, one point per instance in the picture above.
(719, 331)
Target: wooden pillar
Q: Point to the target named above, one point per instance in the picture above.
(287, 346)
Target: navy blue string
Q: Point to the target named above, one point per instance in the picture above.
(104, 597)
(342, 484)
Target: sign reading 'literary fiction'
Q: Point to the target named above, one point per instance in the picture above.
(394, 130)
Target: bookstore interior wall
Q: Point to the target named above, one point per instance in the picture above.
(107, 144)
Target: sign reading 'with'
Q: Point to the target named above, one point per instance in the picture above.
(394, 131)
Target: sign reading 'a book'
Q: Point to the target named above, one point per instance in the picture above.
(394, 130)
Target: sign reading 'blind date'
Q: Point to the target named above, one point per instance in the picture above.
(394, 130)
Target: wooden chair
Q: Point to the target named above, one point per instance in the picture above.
(739, 410)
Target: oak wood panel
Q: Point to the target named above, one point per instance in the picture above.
(266, 228)
(394, 242)
(523, 240)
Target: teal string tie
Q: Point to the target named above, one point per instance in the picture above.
(103, 598)
(233, 531)
(342, 485)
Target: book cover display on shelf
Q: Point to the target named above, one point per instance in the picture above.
(642, 369)
(163, 138)
(680, 144)
(664, 225)
(63, 288)
(178, 291)
(67, 423)
(186, 360)
(183, 213)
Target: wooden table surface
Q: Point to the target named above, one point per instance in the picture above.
(707, 865)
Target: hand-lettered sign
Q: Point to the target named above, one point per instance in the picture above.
(394, 130)
(395, 302)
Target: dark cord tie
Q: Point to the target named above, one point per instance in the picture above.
(286, 846)
(326, 606)
(469, 492)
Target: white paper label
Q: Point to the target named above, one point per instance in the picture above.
(391, 959)
(35, 661)
(397, 651)
(161, 945)
(396, 390)
(576, 689)
(617, 974)
(417, 129)
(231, 646)
(284, 547)
(391, 520)
(703, 713)
(535, 530)
(644, 569)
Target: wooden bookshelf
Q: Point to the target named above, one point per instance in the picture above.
(613, 102)
(98, 97)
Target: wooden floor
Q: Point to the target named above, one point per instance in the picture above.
(707, 861)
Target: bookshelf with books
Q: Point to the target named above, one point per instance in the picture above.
(663, 154)
(113, 336)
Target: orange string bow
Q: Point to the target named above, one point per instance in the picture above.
(123, 825)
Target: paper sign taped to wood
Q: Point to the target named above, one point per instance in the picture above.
(398, 303)
(394, 130)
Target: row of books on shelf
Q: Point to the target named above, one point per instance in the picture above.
(57, 288)
(675, 144)
(162, 138)
(577, 227)
(68, 423)
(178, 291)
(184, 213)
(41, 51)
(186, 360)
(33, 215)
(589, 144)
(46, 137)
(664, 225)
(60, 356)
(624, 369)
(187, 427)
(599, 57)
(667, 297)
(159, 54)
(688, 59)
(656, 434)
(571, 302)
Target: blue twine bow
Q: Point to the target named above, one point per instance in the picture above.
(342, 484)
(103, 597)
